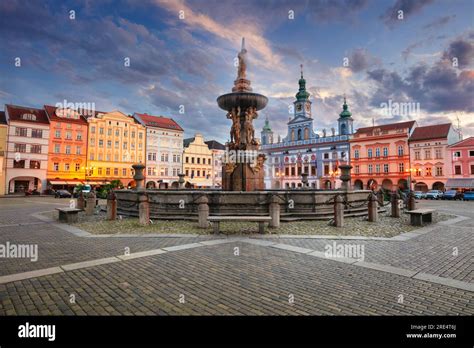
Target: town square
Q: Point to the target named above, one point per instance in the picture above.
(298, 159)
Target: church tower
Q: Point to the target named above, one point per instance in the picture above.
(302, 103)
(267, 133)
(345, 121)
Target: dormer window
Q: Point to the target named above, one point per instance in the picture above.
(28, 117)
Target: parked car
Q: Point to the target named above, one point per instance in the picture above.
(418, 194)
(62, 194)
(468, 196)
(434, 194)
(452, 195)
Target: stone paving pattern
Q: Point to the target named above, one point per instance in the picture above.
(216, 282)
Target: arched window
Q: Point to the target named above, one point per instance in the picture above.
(293, 135)
(263, 140)
(306, 134)
(299, 134)
(343, 129)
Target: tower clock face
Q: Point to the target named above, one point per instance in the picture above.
(299, 107)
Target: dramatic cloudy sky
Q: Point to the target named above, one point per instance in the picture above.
(190, 61)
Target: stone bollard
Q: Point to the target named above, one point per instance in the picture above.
(395, 207)
(139, 177)
(111, 206)
(380, 197)
(338, 212)
(274, 210)
(143, 209)
(80, 201)
(411, 202)
(90, 206)
(181, 181)
(203, 211)
(373, 208)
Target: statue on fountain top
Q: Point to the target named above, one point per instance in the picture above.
(241, 84)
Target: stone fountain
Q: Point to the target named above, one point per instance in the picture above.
(244, 170)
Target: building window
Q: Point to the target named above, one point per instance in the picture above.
(124, 171)
(417, 155)
(109, 132)
(427, 154)
(369, 153)
(91, 156)
(428, 171)
(357, 169)
(116, 157)
(35, 164)
(79, 136)
(101, 143)
(99, 171)
(57, 134)
(377, 152)
(21, 132)
(385, 152)
(36, 133)
(68, 149)
(57, 148)
(20, 147)
(417, 172)
(377, 168)
(117, 132)
(101, 130)
(439, 171)
(400, 150)
(457, 154)
(438, 154)
(326, 169)
(293, 172)
(401, 167)
(370, 168)
(109, 144)
(457, 170)
(471, 153)
(78, 150)
(326, 156)
(107, 171)
(198, 160)
(35, 149)
(187, 172)
(68, 135)
(66, 167)
(385, 168)
(356, 154)
(287, 171)
(56, 167)
(93, 130)
(209, 161)
(116, 171)
(472, 168)
(19, 164)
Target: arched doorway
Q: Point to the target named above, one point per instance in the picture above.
(358, 185)
(387, 184)
(327, 185)
(174, 185)
(438, 185)
(402, 184)
(22, 184)
(372, 184)
(421, 186)
(150, 185)
(188, 185)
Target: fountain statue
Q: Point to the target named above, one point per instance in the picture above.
(242, 106)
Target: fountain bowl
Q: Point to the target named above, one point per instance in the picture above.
(242, 99)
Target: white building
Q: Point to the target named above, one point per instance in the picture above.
(27, 149)
(164, 150)
(217, 154)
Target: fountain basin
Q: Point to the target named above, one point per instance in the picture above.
(242, 99)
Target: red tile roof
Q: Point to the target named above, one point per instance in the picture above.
(386, 127)
(159, 121)
(431, 132)
(466, 142)
(51, 111)
(15, 114)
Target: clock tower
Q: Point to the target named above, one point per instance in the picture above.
(302, 103)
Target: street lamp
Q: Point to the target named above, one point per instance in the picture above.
(334, 174)
(409, 171)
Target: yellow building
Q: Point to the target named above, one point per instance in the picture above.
(3, 150)
(116, 141)
(197, 162)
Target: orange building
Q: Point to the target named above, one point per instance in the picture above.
(380, 156)
(67, 153)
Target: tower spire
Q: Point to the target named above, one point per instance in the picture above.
(243, 43)
(301, 66)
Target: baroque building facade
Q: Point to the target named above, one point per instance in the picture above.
(305, 151)
(197, 162)
(164, 150)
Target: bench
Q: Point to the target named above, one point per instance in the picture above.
(260, 219)
(419, 216)
(68, 215)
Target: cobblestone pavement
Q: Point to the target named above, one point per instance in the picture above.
(260, 280)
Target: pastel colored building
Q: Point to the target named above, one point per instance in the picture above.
(27, 149)
(218, 151)
(67, 155)
(462, 165)
(3, 150)
(115, 142)
(164, 150)
(380, 156)
(197, 162)
(305, 151)
(430, 160)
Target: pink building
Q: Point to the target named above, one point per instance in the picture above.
(462, 156)
(430, 158)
